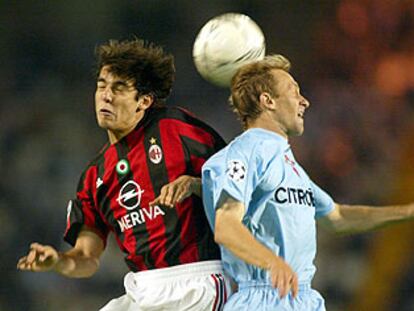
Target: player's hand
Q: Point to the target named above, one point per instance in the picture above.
(178, 190)
(39, 259)
(283, 277)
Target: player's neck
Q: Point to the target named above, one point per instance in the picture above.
(115, 136)
(268, 125)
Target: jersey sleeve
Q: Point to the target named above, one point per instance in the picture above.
(324, 204)
(234, 172)
(82, 211)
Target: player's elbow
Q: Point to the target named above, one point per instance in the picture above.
(93, 267)
(89, 264)
(335, 221)
(87, 268)
(78, 264)
(340, 227)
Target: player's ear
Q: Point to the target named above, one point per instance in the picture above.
(144, 102)
(267, 101)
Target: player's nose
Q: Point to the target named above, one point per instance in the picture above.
(107, 95)
(304, 102)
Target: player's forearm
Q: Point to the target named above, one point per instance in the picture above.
(359, 218)
(234, 236)
(76, 265)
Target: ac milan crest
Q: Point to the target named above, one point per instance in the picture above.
(155, 153)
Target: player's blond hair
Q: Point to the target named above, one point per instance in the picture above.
(252, 80)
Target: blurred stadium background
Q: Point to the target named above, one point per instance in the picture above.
(354, 60)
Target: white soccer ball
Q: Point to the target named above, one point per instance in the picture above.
(224, 44)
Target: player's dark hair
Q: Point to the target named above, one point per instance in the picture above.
(252, 80)
(148, 65)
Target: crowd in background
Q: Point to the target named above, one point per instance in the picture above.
(354, 60)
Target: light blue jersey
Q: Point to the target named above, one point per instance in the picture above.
(259, 170)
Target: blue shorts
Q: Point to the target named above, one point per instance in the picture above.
(262, 296)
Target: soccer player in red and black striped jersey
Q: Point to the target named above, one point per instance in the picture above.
(144, 186)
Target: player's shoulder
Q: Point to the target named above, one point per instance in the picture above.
(260, 141)
(180, 116)
(272, 144)
(98, 158)
(185, 115)
(174, 112)
(91, 167)
(253, 145)
(242, 148)
(244, 143)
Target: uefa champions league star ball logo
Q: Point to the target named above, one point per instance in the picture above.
(236, 170)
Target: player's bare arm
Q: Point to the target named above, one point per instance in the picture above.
(79, 262)
(232, 234)
(178, 190)
(360, 218)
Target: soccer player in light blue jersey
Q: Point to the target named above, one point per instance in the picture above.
(261, 203)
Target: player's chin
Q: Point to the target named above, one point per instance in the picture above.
(104, 124)
(297, 131)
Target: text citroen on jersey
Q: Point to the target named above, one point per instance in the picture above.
(294, 195)
(130, 198)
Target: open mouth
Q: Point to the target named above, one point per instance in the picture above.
(105, 112)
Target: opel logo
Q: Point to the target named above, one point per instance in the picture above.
(130, 195)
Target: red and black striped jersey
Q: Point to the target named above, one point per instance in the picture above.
(115, 189)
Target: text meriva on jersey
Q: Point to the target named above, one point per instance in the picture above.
(115, 189)
(258, 169)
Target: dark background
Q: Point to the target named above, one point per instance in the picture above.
(354, 60)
